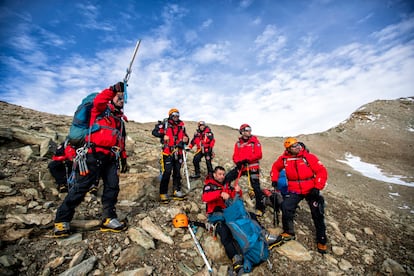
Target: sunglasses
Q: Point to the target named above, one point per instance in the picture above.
(175, 114)
(246, 129)
(295, 145)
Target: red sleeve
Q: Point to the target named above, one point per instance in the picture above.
(276, 168)
(321, 174)
(100, 103)
(257, 155)
(236, 155)
(212, 142)
(209, 196)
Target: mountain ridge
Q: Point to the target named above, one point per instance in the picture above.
(369, 230)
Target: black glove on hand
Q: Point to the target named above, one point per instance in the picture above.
(313, 193)
(124, 165)
(119, 87)
(242, 163)
(181, 145)
(274, 184)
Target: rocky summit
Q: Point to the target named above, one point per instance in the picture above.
(369, 220)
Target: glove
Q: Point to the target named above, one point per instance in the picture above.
(181, 145)
(313, 193)
(240, 164)
(118, 87)
(124, 165)
(274, 184)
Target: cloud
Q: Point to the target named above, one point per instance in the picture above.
(266, 75)
(92, 18)
(395, 31)
(212, 53)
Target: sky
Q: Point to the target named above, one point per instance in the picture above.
(285, 67)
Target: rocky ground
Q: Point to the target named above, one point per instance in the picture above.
(369, 222)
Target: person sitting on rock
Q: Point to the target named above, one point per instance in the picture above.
(215, 193)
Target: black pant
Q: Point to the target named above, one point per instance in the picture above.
(172, 163)
(316, 205)
(255, 183)
(60, 170)
(226, 238)
(99, 165)
(197, 160)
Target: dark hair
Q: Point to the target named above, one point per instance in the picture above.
(219, 168)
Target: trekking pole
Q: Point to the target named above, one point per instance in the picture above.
(186, 170)
(275, 216)
(200, 249)
(129, 71)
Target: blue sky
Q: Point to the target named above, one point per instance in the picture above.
(284, 67)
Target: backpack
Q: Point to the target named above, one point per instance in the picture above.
(247, 232)
(282, 182)
(158, 126)
(80, 122)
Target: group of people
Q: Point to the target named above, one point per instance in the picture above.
(305, 174)
(106, 157)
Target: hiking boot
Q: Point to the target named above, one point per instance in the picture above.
(178, 195)
(63, 188)
(94, 191)
(113, 225)
(271, 240)
(195, 176)
(237, 262)
(322, 248)
(61, 230)
(282, 238)
(259, 213)
(164, 198)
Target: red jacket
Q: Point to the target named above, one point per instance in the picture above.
(175, 132)
(111, 131)
(212, 194)
(303, 171)
(204, 140)
(250, 150)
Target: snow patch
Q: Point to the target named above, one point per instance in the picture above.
(372, 171)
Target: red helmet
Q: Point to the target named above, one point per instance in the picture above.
(244, 127)
(201, 123)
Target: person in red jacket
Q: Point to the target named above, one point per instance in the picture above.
(105, 147)
(204, 141)
(61, 165)
(306, 176)
(246, 155)
(215, 193)
(173, 138)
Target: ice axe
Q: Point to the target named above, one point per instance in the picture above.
(129, 71)
(181, 221)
